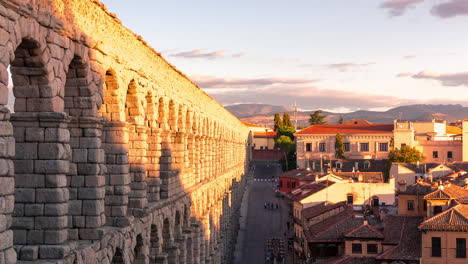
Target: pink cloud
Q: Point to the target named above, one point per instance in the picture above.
(199, 53)
(211, 82)
(447, 79)
(345, 66)
(404, 74)
(398, 7)
(409, 57)
(238, 55)
(451, 9)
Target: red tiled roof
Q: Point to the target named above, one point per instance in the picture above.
(309, 189)
(450, 191)
(348, 129)
(402, 231)
(319, 209)
(454, 219)
(364, 231)
(351, 260)
(419, 188)
(269, 134)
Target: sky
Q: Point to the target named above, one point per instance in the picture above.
(337, 55)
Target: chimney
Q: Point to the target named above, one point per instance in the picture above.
(365, 222)
(402, 186)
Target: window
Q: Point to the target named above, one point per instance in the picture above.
(356, 248)
(461, 248)
(322, 147)
(383, 146)
(308, 147)
(366, 164)
(347, 147)
(364, 147)
(350, 198)
(449, 155)
(338, 165)
(436, 247)
(435, 154)
(288, 184)
(425, 205)
(371, 248)
(403, 144)
(410, 205)
(375, 201)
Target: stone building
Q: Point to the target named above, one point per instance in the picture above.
(112, 155)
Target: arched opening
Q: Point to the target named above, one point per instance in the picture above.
(111, 107)
(167, 235)
(118, 257)
(138, 250)
(177, 228)
(79, 99)
(155, 247)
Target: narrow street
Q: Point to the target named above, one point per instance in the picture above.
(264, 223)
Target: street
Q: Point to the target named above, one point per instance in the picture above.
(264, 223)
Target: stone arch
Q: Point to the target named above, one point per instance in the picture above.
(118, 257)
(162, 114)
(139, 250)
(111, 108)
(34, 86)
(134, 108)
(177, 223)
(151, 113)
(167, 235)
(155, 244)
(79, 100)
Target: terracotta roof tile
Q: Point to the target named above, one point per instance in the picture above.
(309, 189)
(319, 209)
(453, 219)
(364, 231)
(348, 129)
(408, 241)
(268, 134)
(252, 125)
(450, 191)
(419, 188)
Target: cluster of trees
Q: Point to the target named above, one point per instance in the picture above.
(284, 140)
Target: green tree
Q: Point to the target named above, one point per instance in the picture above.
(406, 154)
(317, 118)
(341, 120)
(339, 147)
(285, 131)
(278, 122)
(287, 120)
(287, 146)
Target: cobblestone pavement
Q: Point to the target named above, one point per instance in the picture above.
(262, 223)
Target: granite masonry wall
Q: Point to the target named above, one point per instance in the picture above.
(111, 155)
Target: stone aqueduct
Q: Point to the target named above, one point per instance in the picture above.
(111, 155)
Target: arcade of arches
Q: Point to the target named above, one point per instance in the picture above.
(111, 155)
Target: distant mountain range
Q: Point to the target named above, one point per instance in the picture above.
(262, 114)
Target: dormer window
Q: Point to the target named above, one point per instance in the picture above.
(367, 164)
(338, 165)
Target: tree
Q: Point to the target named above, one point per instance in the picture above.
(406, 154)
(278, 122)
(317, 118)
(285, 131)
(287, 145)
(339, 147)
(287, 120)
(341, 120)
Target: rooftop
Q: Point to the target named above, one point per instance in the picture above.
(348, 129)
(319, 209)
(268, 134)
(447, 192)
(309, 189)
(418, 188)
(365, 231)
(453, 219)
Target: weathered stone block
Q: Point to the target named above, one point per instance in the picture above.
(33, 209)
(54, 237)
(57, 209)
(55, 181)
(53, 252)
(51, 166)
(51, 151)
(51, 195)
(91, 142)
(94, 221)
(57, 135)
(75, 207)
(24, 166)
(23, 223)
(29, 181)
(89, 169)
(80, 155)
(79, 221)
(25, 195)
(29, 253)
(119, 179)
(91, 193)
(95, 181)
(34, 134)
(20, 237)
(52, 222)
(26, 151)
(96, 155)
(93, 207)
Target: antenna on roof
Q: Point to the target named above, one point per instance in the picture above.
(400, 116)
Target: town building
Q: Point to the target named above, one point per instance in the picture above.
(411, 198)
(263, 137)
(360, 142)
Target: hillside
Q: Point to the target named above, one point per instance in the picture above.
(263, 114)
